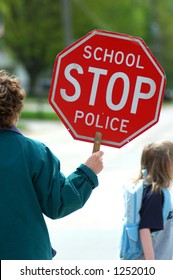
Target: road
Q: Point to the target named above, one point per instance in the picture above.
(93, 232)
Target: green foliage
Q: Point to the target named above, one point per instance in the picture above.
(34, 33)
(152, 20)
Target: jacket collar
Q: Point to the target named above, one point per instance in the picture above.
(13, 128)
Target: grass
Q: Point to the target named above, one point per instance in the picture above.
(40, 112)
(36, 108)
(41, 115)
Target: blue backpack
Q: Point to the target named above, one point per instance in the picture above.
(130, 245)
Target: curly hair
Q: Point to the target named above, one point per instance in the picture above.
(11, 97)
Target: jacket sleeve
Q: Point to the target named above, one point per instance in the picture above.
(58, 195)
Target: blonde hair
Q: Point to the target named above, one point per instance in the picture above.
(156, 159)
(11, 96)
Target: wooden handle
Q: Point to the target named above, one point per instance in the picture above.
(97, 142)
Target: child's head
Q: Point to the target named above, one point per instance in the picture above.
(157, 159)
(11, 96)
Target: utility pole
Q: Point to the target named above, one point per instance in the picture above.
(67, 22)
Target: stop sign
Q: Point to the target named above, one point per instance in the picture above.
(110, 83)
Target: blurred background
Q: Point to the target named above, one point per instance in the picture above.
(32, 33)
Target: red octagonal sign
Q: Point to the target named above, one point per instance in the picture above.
(110, 83)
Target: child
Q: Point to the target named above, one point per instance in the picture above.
(157, 161)
(31, 183)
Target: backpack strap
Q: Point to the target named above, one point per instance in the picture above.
(166, 203)
(145, 184)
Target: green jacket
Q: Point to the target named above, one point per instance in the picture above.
(31, 184)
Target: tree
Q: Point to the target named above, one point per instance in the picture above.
(33, 31)
(124, 16)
